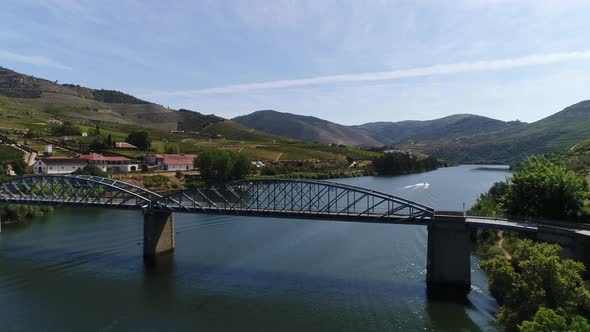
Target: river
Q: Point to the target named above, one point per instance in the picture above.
(82, 270)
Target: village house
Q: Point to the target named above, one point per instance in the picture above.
(65, 165)
(173, 162)
(58, 165)
(105, 163)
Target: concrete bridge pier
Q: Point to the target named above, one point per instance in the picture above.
(158, 232)
(448, 265)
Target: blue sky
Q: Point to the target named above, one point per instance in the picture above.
(346, 61)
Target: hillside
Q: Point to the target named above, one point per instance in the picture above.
(24, 97)
(453, 126)
(306, 128)
(557, 132)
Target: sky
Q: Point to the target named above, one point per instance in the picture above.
(350, 62)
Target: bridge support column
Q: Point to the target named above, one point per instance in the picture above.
(158, 233)
(448, 266)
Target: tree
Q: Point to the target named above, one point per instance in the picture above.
(66, 129)
(171, 148)
(547, 320)
(99, 143)
(96, 131)
(395, 163)
(140, 138)
(91, 170)
(222, 165)
(536, 277)
(19, 166)
(540, 188)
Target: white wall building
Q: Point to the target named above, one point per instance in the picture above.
(58, 165)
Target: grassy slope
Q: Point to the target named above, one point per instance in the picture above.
(9, 154)
(554, 133)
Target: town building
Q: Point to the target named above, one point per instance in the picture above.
(107, 163)
(58, 165)
(173, 162)
(65, 165)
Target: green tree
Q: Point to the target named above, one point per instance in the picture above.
(536, 277)
(140, 138)
(99, 143)
(490, 203)
(19, 166)
(547, 320)
(540, 188)
(171, 148)
(222, 165)
(66, 129)
(91, 170)
(394, 163)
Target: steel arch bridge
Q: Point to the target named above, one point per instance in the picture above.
(305, 199)
(75, 190)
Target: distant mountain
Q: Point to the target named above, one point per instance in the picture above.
(307, 128)
(453, 126)
(310, 128)
(77, 103)
(559, 131)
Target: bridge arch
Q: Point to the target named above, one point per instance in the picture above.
(296, 198)
(75, 190)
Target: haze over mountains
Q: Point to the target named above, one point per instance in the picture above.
(459, 137)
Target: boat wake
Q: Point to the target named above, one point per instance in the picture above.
(421, 185)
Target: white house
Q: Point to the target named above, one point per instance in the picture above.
(118, 164)
(57, 165)
(173, 162)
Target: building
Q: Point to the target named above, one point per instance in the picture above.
(58, 165)
(106, 163)
(65, 165)
(48, 150)
(173, 162)
(124, 145)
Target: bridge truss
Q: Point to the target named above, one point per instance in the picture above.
(75, 190)
(305, 199)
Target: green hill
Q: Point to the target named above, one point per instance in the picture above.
(557, 132)
(306, 128)
(24, 98)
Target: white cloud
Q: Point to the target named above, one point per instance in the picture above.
(435, 70)
(37, 60)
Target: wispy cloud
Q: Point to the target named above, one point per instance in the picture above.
(36, 60)
(442, 69)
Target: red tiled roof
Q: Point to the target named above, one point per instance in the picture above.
(176, 159)
(98, 157)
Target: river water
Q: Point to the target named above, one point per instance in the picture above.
(82, 270)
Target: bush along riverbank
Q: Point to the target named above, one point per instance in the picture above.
(536, 288)
(19, 213)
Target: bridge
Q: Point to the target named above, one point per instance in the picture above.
(448, 252)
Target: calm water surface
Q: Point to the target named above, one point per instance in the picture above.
(82, 270)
